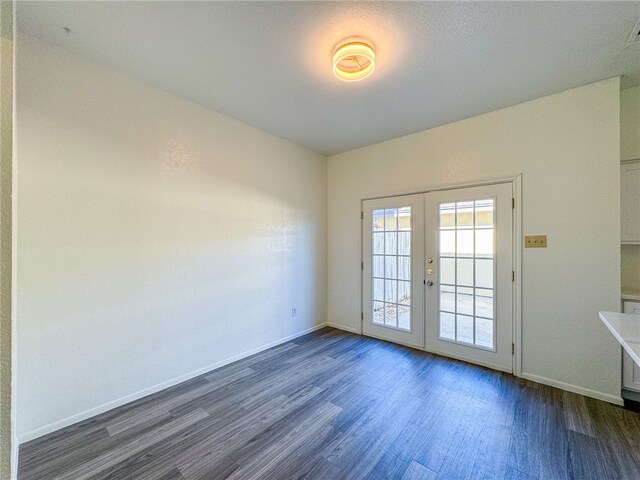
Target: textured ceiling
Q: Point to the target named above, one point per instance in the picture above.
(269, 63)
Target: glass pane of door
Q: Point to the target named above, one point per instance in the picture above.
(391, 260)
(466, 272)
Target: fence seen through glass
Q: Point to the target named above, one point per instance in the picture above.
(391, 267)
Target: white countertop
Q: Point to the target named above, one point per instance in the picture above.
(626, 328)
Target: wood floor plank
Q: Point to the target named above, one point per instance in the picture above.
(389, 466)
(513, 474)
(292, 380)
(524, 453)
(554, 447)
(226, 439)
(378, 420)
(492, 456)
(75, 436)
(45, 455)
(590, 458)
(54, 466)
(416, 471)
(140, 416)
(576, 414)
(224, 378)
(426, 446)
(462, 452)
(244, 452)
(173, 474)
(150, 412)
(221, 466)
(322, 468)
(133, 467)
(303, 458)
(175, 449)
(98, 464)
(137, 419)
(269, 458)
(278, 351)
(333, 405)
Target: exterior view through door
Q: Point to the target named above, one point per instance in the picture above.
(437, 272)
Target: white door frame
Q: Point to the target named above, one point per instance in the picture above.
(516, 182)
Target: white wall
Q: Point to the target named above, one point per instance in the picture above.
(155, 238)
(567, 147)
(7, 443)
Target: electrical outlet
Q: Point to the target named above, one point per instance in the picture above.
(294, 312)
(535, 241)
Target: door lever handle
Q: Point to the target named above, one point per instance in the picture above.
(429, 283)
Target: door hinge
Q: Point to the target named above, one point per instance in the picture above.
(513, 349)
(361, 315)
(513, 203)
(361, 265)
(513, 275)
(361, 215)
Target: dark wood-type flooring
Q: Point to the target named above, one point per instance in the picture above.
(332, 405)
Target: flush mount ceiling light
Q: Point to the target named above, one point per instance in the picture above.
(353, 59)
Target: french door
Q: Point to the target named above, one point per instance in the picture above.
(393, 306)
(437, 272)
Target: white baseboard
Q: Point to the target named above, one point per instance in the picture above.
(92, 412)
(617, 400)
(343, 327)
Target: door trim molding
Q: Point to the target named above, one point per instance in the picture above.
(442, 186)
(516, 182)
(517, 281)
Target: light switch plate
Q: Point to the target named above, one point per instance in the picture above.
(535, 241)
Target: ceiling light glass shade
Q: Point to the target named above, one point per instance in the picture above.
(353, 60)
